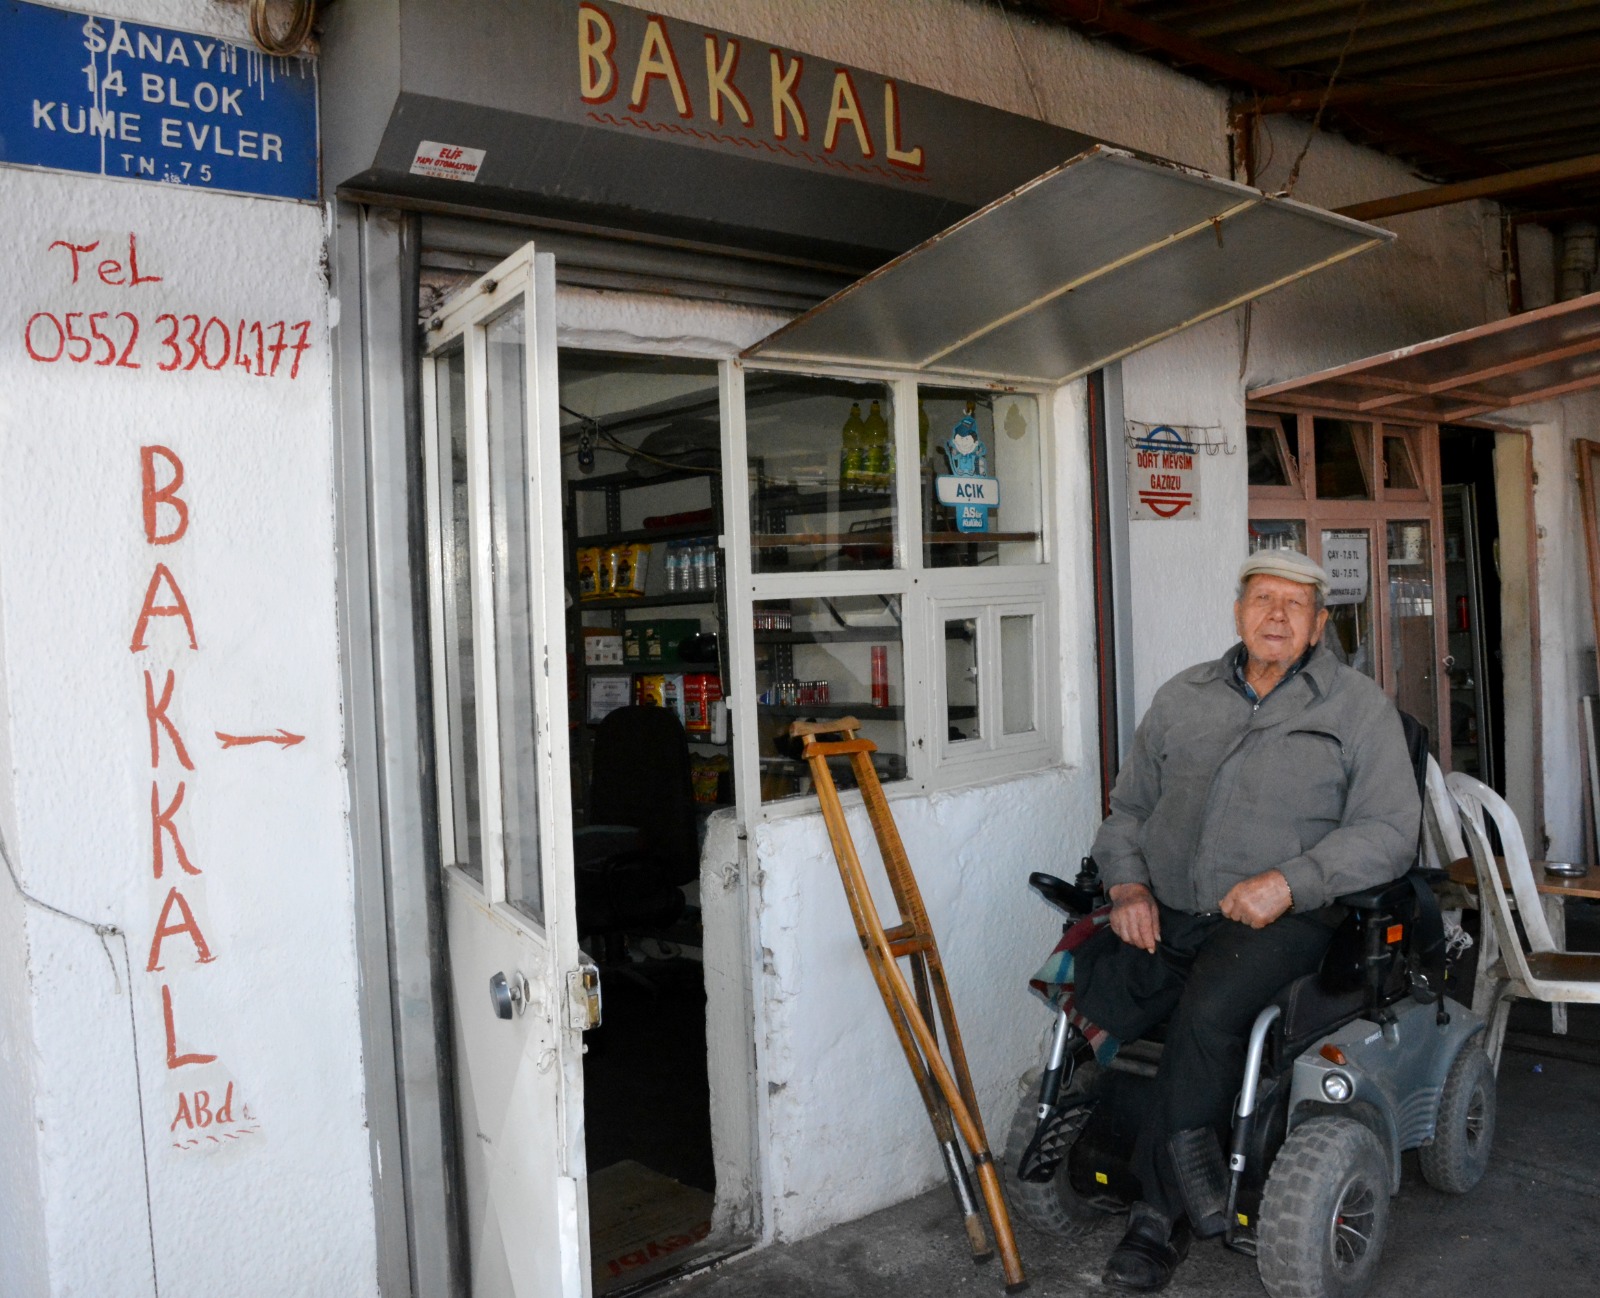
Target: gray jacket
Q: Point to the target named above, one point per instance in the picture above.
(1315, 780)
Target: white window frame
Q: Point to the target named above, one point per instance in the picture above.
(994, 752)
(1032, 588)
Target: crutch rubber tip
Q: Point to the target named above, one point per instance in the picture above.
(978, 1259)
(1018, 1287)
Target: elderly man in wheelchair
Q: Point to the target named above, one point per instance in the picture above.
(1269, 803)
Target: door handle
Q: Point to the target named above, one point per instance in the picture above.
(509, 997)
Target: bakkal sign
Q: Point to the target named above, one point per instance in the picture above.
(107, 97)
(646, 74)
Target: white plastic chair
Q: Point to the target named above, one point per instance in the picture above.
(1532, 969)
(1441, 838)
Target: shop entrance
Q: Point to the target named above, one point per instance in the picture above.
(574, 505)
(641, 463)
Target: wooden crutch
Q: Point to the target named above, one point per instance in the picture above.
(946, 1089)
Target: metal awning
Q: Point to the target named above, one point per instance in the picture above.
(1103, 255)
(1530, 357)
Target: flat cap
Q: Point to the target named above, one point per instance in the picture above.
(1289, 564)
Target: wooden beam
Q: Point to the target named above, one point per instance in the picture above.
(1509, 182)
(1105, 16)
(1474, 75)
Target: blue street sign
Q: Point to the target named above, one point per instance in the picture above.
(113, 98)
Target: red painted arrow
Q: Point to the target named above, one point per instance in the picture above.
(282, 738)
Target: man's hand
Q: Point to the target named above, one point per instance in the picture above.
(1134, 917)
(1256, 901)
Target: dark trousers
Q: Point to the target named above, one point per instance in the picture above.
(1211, 977)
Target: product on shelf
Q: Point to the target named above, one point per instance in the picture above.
(878, 451)
(700, 691)
(661, 691)
(706, 775)
(880, 676)
(852, 451)
(588, 571)
(602, 647)
(656, 643)
(627, 565)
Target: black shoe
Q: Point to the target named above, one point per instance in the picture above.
(1149, 1252)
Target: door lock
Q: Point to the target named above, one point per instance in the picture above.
(583, 997)
(509, 998)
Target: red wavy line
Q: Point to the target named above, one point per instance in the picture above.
(674, 128)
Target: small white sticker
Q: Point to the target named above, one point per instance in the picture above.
(447, 161)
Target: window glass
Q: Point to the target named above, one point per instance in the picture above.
(1399, 471)
(506, 358)
(1277, 534)
(963, 719)
(1270, 444)
(1411, 630)
(1017, 716)
(822, 658)
(455, 555)
(1341, 451)
(979, 482)
(821, 473)
(1347, 559)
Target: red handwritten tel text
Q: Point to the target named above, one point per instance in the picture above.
(170, 341)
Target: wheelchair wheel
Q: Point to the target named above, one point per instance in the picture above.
(1051, 1207)
(1459, 1154)
(1325, 1212)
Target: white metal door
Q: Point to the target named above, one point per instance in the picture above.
(521, 998)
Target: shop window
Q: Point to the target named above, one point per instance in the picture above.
(1270, 443)
(988, 681)
(824, 657)
(1411, 626)
(963, 719)
(1277, 534)
(822, 474)
(1399, 465)
(974, 446)
(936, 648)
(1342, 447)
(1347, 559)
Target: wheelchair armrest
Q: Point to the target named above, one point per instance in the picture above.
(1061, 894)
(1381, 896)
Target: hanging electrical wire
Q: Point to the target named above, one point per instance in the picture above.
(294, 37)
(591, 430)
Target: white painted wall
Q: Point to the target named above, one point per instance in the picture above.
(106, 1190)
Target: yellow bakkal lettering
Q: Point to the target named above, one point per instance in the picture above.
(597, 74)
(845, 107)
(656, 59)
(911, 158)
(785, 81)
(719, 80)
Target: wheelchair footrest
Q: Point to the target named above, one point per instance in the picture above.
(1052, 1139)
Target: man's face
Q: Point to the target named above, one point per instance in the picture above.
(1275, 620)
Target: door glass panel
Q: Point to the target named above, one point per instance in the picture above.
(962, 719)
(1016, 674)
(1341, 450)
(509, 522)
(1470, 747)
(1277, 534)
(1269, 450)
(822, 658)
(1347, 559)
(1411, 631)
(1399, 470)
(821, 473)
(455, 555)
(992, 438)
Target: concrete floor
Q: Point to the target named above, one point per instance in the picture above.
(1528, 1229)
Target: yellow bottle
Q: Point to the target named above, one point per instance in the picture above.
(851, 451)
(879, 457)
